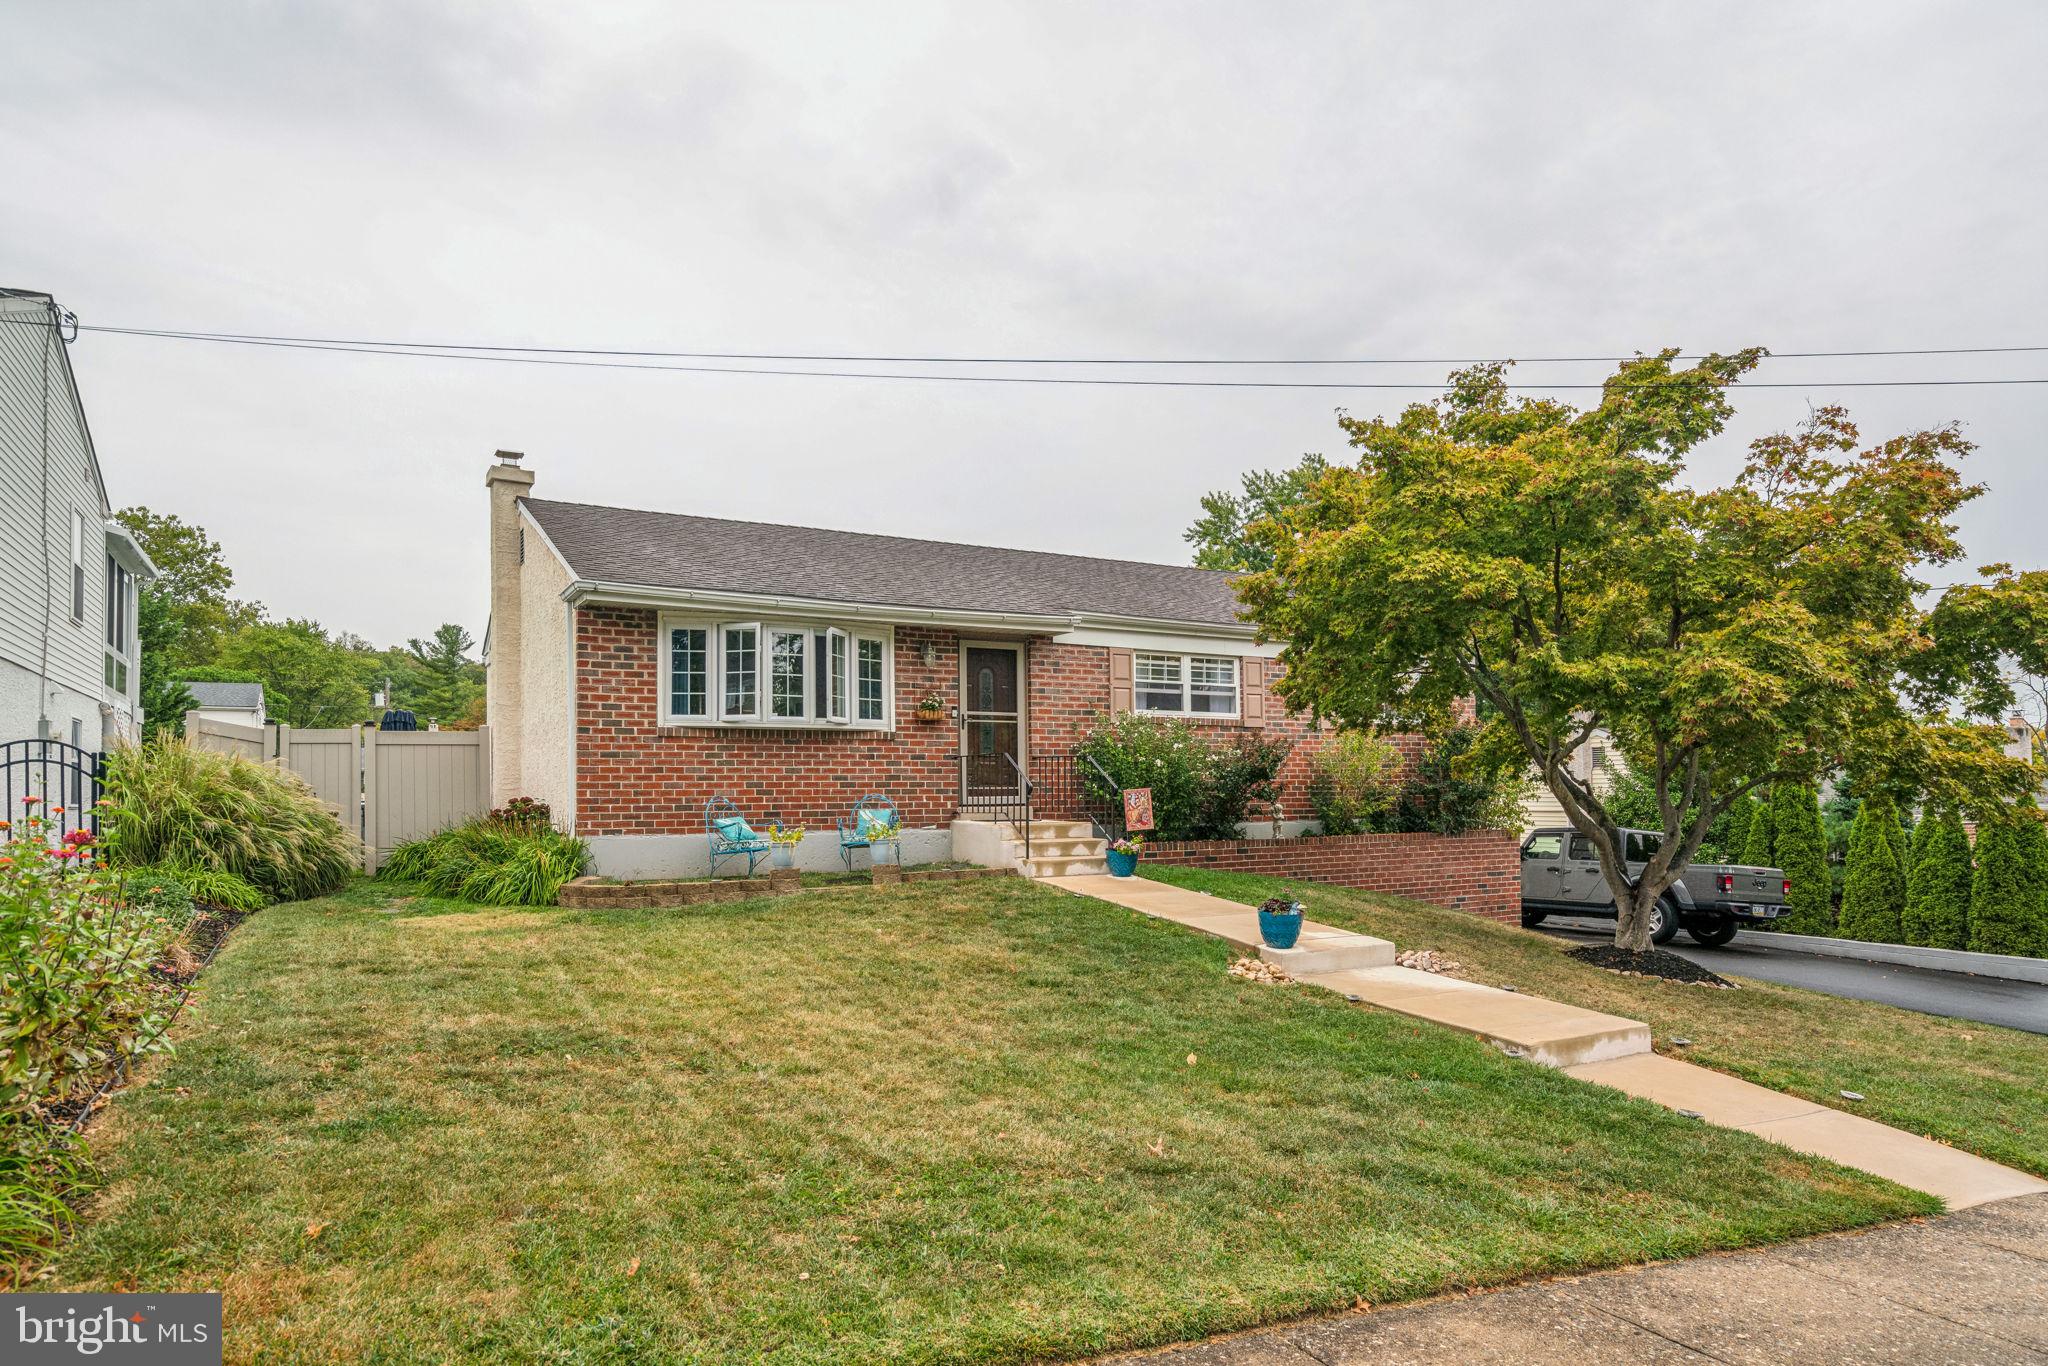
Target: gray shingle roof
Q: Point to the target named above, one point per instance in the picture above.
(246, 695)
(672, 550)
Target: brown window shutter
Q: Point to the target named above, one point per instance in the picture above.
(1252, 691)
(1122, 698)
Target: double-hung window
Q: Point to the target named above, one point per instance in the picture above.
(1185, 685)
(739, 648)
(78, 568)
(810, 675)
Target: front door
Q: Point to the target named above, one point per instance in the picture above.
(991, 720)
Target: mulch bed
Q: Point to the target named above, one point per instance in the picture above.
(1656, 963)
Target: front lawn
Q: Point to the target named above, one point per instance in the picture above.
(982, 1121)
(1975, 1086)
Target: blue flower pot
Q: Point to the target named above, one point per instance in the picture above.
(1122, 865)
(1280, 928)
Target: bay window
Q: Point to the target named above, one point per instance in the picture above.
(1185, 685)
(774, 674)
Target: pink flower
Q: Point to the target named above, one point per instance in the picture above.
(78, 839)
(31, 801)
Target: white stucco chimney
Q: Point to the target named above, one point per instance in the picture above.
(507, 483)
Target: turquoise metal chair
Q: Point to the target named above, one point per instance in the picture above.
(856, 830)
(730, 835)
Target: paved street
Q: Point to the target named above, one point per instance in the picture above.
(1987, 1000)
(1961, 1288)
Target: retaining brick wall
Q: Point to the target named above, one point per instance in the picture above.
(1480, 873)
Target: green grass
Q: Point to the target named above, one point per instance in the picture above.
(1975, 1086)
(948, 1121)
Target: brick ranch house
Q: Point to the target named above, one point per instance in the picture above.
(640, 663)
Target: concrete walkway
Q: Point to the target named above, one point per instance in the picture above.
(1961, 1288)
(1594, 1047)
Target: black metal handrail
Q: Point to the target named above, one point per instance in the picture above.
(1074, 786)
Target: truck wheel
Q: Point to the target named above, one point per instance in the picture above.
(1531, 919)
(1713, 933)
(1663, 923)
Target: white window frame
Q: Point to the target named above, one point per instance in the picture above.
(805, 673)
(760, 693)
(838, 700)
(842, 643)
(78, 594)
(1186, 666)
(714, 682)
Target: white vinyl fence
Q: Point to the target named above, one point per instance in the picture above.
(386, 785)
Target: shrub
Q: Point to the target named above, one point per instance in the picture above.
(1937, 913)
(1874, 885)
(213, 887)
(1237, 774)
(76, 993)
(1799, 849)
(35, 1179)
(1353, 781)
(1759, 843)
(185, 808)
(158, 892)
(512, 857)
(1632, 802)
(1161, 753)
(1458, 786)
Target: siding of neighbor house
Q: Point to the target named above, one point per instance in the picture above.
(36, 385)
(543, 717)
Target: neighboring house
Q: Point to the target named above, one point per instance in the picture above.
(642, 662)
(69, 666)
(1597, 763)
(240, 704)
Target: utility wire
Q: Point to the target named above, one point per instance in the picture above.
(188, 334)
(372, 349)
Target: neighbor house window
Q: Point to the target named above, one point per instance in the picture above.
(77, 567)
(120, 584)
(1186, 685)
(771, 674)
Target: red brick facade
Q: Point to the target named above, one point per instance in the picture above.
(637, 777)
(1481, 873)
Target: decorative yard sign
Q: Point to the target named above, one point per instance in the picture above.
(1137, 808)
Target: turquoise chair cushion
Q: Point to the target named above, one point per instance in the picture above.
(869, 821)
(734, 830)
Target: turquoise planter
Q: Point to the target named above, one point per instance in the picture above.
(1280, 928)
(1122, 865)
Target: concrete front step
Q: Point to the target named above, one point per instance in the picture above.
(1072, 865)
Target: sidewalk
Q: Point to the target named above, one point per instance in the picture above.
(1959, 1288)
(1595, 1047)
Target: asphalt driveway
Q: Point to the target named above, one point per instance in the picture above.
(1959, 996)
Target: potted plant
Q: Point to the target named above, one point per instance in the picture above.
(883, 844)
(783, 840)
(931, 707)
(1123, 855)
(1279, 922)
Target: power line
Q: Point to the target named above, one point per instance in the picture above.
(188, 334)
(376, 349)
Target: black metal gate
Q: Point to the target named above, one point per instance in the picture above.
(59, 775)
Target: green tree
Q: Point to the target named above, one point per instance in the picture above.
(446, 680)
(1800, 851)
(1740, 818)
(1874, 887)
(309, 679)
(2005, 891)
(182, 615)
(1759, 847)
(1552, 562)
(1937, 911)
(1222, 537)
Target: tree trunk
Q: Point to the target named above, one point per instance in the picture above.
(1632, 921)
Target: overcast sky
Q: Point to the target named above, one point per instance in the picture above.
(1169, 179)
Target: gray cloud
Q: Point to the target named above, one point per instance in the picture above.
(1029, 178)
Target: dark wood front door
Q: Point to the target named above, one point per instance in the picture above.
(991, 718)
